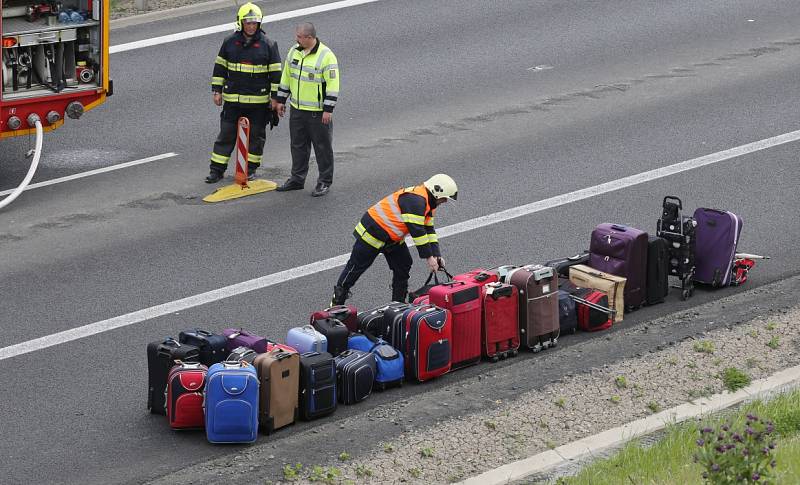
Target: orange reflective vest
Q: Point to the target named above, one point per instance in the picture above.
(388, 215)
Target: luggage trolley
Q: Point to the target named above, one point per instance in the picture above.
(679, 231)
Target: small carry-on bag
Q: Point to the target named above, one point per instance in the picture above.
(622, 251)
(161, 357)
(679, 232)
(428, 344)
(463, 299)
(478, 276)
(306, 339)
(317, 385)
(212, 347)
(355, 371)
(238, 337)
(538, 305)
(500, 321)
(591, 307)
(567, 312)
(389, 362)
(231, 403)
(717, 235)
(657, 270)
(612, 285)
(185, 386)
(279, 379)
(335, 333)
(242, 353)
(347, 314)
(561, 265)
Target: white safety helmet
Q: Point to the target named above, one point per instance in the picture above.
(442, 186)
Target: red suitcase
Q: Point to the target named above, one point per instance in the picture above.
(500, 322)
(185, 385)
(480, 276)
(428, 342)
(463, 299)
(347, 314)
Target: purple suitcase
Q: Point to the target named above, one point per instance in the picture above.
(238, 337)
(716, 237)
(622, 251)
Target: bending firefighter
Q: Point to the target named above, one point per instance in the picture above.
(383, 229)
(247, 72)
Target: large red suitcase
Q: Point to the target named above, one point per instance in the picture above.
(463, 299)
(500, 321)
(428, 342)
(538, 305)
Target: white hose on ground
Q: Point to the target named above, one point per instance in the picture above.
(32, 170)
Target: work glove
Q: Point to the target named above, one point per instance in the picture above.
(273, 119)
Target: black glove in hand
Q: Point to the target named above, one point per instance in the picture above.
(273, 120)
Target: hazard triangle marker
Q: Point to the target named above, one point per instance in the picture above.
(242, 187)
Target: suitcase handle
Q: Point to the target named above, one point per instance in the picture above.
(482, 276)
(672, 197)
(593, 306)
(453, 283)
(501, 291)
(171, 340)
(619, 227)
(204, 333)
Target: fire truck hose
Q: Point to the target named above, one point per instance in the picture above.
(37, 153)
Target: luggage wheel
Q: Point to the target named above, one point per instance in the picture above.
(503, 356)
(494, 359)
(514, 353)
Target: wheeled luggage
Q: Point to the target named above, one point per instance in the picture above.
(622, 251)
(238, 337)
(212, 347)
(613, 286)
(317, 395)
(161, 356)
(657, 270)
(592, 313)
(231, 403)
(347, 314)
(279, 379)
(389, 362)
(242, 353)
(499, 321)
(394, 323)
(185, 385)
(679, 231)
(371, 321)
(355, 371)
(306, 339)
(427, 347)
(538, 305)
(717, 236)
(463, 300)
(561, 265)
(335, 333)
(567, 312)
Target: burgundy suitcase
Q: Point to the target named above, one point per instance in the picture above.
(347, 314)
(622, 251)
(463, 300)
(500, 321)
(539, 325)
(428, 344)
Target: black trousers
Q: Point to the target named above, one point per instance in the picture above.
(306, 130)
(363, 255)
(226, 140)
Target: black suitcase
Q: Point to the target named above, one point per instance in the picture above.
(317, 396)
(371, 322)
(679, 232)
(161, 356)
(355, 372)
(212, 347)
(657, 270)
(395, 325)
(562, 265)
(567, 313)
(243, 353)
(335, 331)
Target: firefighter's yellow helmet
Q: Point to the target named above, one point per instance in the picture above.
(442, 186)
(248, 12)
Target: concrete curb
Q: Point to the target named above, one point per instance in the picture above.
(183, 11)
(591, 445)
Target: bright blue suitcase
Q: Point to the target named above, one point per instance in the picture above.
(231, 403)
(391, 366)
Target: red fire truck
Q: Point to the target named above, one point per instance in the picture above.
(54, 62)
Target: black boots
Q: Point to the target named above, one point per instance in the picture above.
(340, 295)
(399, 293)
(214, 176)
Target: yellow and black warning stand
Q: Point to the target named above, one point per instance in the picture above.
(242, 187)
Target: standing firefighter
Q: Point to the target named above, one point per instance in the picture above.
(383, 229)
(246, 76)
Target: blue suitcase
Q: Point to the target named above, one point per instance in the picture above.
(567, 313)
(306, 339)
(391, 366)
(231, 403)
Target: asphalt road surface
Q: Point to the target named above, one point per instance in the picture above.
(519, 101)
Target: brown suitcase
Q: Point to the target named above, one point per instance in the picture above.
(279, 376)
(538, 305)
(613, 286)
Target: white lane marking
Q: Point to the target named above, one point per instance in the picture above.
(229, 27)
(330, 263)
(94, 172)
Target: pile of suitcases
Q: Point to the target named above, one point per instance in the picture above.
(235, 383)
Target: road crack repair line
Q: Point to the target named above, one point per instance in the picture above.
(334, 262)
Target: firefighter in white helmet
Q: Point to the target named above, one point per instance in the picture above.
(383, 228)
(246, 76)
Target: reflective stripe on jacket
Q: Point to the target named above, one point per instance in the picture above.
(247, 72)
(310, 82)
